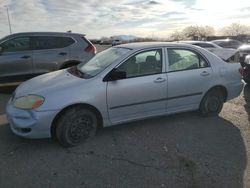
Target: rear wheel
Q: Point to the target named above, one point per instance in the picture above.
(212, 103)
(75, 126)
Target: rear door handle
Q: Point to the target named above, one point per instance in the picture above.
(25, 57)
(62, 53)
(204, 73)
(159, 80)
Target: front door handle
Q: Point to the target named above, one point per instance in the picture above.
(62, 53)
(25, 57)
(204, 73)
(159, 80)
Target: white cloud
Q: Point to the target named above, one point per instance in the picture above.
(111, 17)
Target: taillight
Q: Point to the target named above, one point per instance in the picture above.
(241, 70)
(91, 48)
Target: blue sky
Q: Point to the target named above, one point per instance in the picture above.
(143, 18)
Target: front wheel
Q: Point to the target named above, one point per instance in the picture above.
(212, 103)
(76, 125)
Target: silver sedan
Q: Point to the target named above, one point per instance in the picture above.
(122, 84)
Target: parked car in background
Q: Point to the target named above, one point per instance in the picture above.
(95, 41)
(25, 55)
(230, 55)
(227, 43)
(246, 69)
(116, 42)
(106, 42)
(122, 84)
(244, 50)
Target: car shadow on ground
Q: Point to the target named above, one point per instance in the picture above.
(182, 150)
(247, 99)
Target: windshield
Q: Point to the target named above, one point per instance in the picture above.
(101, 61)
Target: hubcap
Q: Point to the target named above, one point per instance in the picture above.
(80, 128)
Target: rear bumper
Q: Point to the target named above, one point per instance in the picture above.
(30, 123)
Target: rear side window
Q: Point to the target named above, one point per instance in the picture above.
(16, 44)
(183, 59)
(50, 42)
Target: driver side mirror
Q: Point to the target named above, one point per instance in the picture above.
(115, 75)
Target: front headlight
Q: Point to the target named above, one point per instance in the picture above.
(29, 102)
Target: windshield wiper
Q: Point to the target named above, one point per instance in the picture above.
(75, 71)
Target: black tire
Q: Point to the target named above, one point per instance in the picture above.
(247, 81)
(76, 125)
(212, 103)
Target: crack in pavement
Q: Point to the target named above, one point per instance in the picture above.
(123, 160)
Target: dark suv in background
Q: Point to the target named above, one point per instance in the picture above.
(227, 43)
(25, 55)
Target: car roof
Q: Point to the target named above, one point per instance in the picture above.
(224, 40)
(195, 42)
(45, 33)
(142, 45)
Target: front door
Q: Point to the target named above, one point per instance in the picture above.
(143, 92)
(16, 60)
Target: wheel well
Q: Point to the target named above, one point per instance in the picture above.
(69, 64)
(87, 106)
(222, 89)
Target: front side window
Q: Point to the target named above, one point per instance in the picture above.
(50, 42)
(182, 59)
(144, 63)
(16, 44)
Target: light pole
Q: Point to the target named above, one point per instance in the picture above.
(8, 18)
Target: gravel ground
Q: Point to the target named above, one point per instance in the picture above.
(182, 150)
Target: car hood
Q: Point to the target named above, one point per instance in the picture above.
(45, 83)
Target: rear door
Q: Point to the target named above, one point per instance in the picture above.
(143, 92)
(189, 74)
(50, 52)
(16, 59)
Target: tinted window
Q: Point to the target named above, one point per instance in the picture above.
(228, 44)
(224, 45)
(66, 41)
(204, 45)
(50, 42)
(16, 44)
(181, 59)
(233, 44)
(144, 63)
